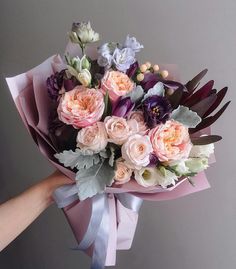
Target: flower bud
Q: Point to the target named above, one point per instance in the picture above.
(84, 77)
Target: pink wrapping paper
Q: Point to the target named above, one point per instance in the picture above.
(31, 99)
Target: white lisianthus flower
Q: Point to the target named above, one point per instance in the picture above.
(179, 167)
(84, 32)
(152, 176)
(196, 165)
(203, 151)
(147, 176)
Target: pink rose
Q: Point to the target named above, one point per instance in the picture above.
(81, 107)
(117, 84)
(170, 141)
(136, 151)
(122, 173)
(92, 137)
(119, 129)
(139, 117)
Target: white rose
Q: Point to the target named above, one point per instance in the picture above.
(197, 165)
(92, 137)
(119, 129)
(202, 151)
(122, 173)
(152, 176)
(136, 151)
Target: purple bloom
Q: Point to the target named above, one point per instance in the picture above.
(123, 107)
(54, 84)
(156, 110)
(132, 70)
(153, 160)
(132, 43)
(56, 81)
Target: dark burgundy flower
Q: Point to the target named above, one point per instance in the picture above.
(56, 81)
(123, 107)
(132, 69)
(156, 110)
(54, 84)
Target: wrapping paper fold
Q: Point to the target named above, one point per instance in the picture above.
(31, 99)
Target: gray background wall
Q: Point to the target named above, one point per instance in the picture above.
(197, 231)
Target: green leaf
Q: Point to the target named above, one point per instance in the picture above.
(207, 139)
(186, 116)
(94, 180)
(108, 107)
(79, 159)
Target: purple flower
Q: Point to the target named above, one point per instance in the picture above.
(123, 107)
(132, 43)
(123, 58)
(56, 81)
(156, 110)
(54, 84)
(153, 160)
(132, 70)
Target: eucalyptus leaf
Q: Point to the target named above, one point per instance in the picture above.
(136, 95)
(112, 156)
(94, 180)
(158, 89)
(79, 159)
(186, 116)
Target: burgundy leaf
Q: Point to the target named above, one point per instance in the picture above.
(202, 93)
(220, 96)
(210, 120)
(175, 98)
(207, 139)
(202, 106)
(191, 85)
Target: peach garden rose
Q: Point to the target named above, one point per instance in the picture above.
(122, 173)
(170, 141)
(136, 151)
(92, 137)
(139, 117)
(81, 107)
(117, 84)
(119, 129)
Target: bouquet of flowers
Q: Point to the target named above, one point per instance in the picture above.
(122, 131)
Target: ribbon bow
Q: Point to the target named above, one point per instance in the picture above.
(112, 222)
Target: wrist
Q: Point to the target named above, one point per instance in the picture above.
(52, 182)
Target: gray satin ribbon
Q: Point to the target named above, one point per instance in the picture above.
(98, 229)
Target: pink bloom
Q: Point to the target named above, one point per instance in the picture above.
(139, 117)
(92, 137)
(81, 107)
(170, 141)
(122, 173)
(117, 84)
(119, 129)
(136, 151)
